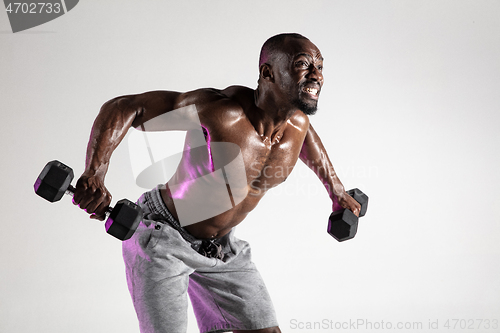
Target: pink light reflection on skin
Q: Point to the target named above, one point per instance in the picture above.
(207, 138)
(185, 185)
(180, 191)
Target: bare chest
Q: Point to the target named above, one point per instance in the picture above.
(267, 162)
(268, 165)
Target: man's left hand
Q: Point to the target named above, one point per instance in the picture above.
(346, 201)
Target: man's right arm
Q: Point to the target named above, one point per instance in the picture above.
(110, 127)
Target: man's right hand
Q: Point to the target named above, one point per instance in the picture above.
(92, 196)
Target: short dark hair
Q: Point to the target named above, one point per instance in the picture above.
(274, 44)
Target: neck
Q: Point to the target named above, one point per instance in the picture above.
(271, 116)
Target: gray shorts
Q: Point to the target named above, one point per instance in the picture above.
(164, 265)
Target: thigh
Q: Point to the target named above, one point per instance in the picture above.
(232, 294)
(158, 262)
(157, 283)
(162, 306)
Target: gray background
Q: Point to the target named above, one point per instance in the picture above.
(408, 113)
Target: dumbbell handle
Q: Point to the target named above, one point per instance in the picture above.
(358, 195)
(71, 191)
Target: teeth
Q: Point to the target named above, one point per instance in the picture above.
(312, 91)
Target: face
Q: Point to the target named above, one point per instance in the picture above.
(301, 74)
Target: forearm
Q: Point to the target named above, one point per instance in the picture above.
(314, 155)
(331, 181)
(109, 129)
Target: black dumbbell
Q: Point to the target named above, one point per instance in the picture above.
(55, 180)
(343, 224)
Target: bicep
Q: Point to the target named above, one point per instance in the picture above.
(312, 147)
(150, 105)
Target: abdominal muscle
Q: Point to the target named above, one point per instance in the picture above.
(219, 225)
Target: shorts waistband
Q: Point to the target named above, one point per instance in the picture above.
(157, 205)
(212, 248)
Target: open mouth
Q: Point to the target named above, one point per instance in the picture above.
(312, 92)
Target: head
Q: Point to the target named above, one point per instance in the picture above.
(291, 67)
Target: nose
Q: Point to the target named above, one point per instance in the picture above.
(315, 74)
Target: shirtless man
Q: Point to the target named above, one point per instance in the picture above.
(165, 259)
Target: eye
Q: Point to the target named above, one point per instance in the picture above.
(302, 64)
(320, 68)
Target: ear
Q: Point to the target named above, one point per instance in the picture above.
(266, 72)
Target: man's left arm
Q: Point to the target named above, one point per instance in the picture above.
(314, 155)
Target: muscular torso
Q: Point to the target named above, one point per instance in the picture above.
(229, 119)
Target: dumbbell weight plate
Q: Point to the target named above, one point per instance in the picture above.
(342, 225)
(123, 219)
(53, 181)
